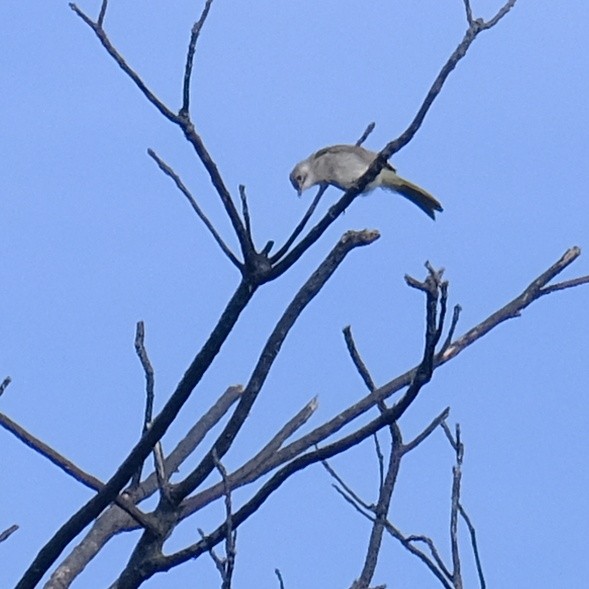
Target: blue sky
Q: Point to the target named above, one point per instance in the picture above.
(95, 238)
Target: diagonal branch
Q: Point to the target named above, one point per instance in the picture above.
(4, 535)
(168, 171)
(71, 469)
(105, 41)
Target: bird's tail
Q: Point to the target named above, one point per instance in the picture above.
(417, 195)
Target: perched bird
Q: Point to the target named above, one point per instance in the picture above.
(342, 165)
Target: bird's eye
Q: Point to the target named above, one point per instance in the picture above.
(299, 179)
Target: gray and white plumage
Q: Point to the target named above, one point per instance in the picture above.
(342, 165)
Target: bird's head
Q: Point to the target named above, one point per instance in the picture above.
(301, 177)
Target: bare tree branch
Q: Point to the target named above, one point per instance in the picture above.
(366, 133)
(8, 532)
(500, 14)
(4, 385)
(195, 33)
(102, 13)
(166, 169)
(71, 469)
(468, 9)
(183, 121)
(344, 489)
(436, 566)
(280, 580)
(474, 544)
(149, 373)
(105, 41)
(427, 431)
(357, 359)
(246, 215)
(381, 510)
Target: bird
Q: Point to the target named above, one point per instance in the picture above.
(342, 165)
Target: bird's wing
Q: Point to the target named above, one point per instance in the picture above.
(365, 155)
(333, 150)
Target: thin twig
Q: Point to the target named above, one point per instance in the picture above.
(366, 133)
(196, 29)
(345, 488)
(456, 565)
(357, 359)
(160, 469)
(500, 14)
(468, 12)
(449, 435)
(8, 532)
(105, 41)
(102, 13)
(246, 214)
(456, 482)
(149, 387)
(566, 284)
(455, 317)
(380, 459)
(474, 544)
(301, 225)
(149, 373)
(280, 579)
(230, 533)
(4, 384)
(70, 468)
(433, 550)
(437, 421)
(382, 508)
(219, 562)
(367, 512)
(442, 574)
(166, 169)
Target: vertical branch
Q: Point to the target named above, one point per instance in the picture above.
(102, 13)
(196, 28)
(230, 533)
(382, 509)
(149, 374)
(246, 215)
(456, 479)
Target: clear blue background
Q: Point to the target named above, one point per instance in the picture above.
(94, 238)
